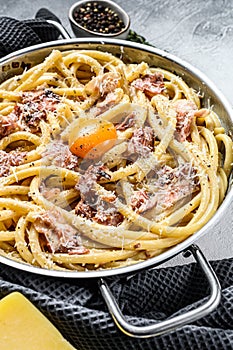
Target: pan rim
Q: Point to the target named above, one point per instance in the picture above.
(179, 248)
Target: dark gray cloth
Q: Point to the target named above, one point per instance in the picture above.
(77, 309)
(15, 35)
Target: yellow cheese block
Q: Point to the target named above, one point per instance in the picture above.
(23, 327)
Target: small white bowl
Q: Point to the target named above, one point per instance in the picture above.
(80, 31)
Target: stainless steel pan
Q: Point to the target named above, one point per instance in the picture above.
(15, 63)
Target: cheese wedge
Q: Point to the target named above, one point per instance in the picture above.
(24, 327)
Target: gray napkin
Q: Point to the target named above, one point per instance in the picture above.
(77, 309)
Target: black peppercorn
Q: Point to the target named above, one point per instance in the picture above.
(98, 18)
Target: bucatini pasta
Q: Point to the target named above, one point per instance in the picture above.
(104, 164)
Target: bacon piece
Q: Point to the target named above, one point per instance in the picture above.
(104, 213)
(126, 123)
(84, 210)
(142, 141)
(139, 201)
(32, 109)
(57, 236)
(58, 154)
(185, 111)
(170, 186)
(88, 180)
(105, 103)
(45, 99)
(49, 193)
(103, 84)
(105, 87)
(7, 160)
(92, 206)
(151, 84)
(8, 124)
(177, 183)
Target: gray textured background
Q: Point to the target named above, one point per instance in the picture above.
(198, 31)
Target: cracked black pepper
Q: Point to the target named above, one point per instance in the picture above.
(98, 18)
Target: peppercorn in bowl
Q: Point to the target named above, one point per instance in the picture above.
(102, 18)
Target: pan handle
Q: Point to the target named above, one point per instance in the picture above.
(171, 323)
(60, 28)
